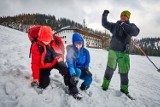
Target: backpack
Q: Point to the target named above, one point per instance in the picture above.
(33, 36)
(33, 33)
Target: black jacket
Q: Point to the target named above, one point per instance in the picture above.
(121, 33)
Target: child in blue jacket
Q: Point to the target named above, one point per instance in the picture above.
(78, 60)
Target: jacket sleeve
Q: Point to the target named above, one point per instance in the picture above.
(35, 61)
(131, 29)
(108, 25)
(87, 58)
(70, 61)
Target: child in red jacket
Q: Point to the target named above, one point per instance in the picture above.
(48, 53)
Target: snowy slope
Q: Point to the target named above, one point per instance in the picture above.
(15, 78)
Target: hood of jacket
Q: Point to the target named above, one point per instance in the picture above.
(77, 38)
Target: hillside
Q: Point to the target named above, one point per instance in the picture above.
(15, 78)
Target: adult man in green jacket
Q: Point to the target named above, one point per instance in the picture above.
(122, 31)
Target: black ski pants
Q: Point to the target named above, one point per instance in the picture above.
(45, 73)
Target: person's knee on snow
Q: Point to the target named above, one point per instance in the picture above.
(44, 78)
(43, 84)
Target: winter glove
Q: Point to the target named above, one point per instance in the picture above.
(105, 13)
(86, 70)
(127, 28)
(56, 54)
(34, 83)
(124, 25)
(74, 80)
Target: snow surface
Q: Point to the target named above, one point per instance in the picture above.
(15, 78)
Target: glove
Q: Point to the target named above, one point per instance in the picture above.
(74, 80)
(86, 70)
(105, 13)
(35, 83)
(124, 24)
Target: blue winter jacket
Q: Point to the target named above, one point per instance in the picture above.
(121, 33)
(77, 59)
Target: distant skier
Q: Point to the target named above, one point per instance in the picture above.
(48, 53)
(78, 60)
(122, 31)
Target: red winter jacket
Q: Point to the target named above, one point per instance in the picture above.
(37, 61)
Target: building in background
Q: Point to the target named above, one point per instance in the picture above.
(91, 40)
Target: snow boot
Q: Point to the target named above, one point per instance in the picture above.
(83, 88)
(124, 89)
(74, 80)
(77, 96)
(105, 84)
(74, 92)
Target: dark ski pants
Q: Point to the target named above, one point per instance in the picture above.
(45, 73)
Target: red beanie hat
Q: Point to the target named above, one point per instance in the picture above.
(45, 34)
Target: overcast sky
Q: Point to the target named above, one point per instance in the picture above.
(144, 13)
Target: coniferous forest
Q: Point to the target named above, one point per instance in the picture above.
(22, 22)
(151, 46)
